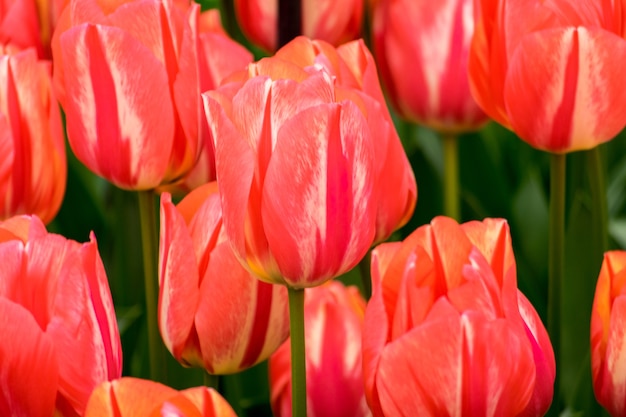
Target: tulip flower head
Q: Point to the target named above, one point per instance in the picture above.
(548, 70)
(607, 334)
(212, 312)
(422, 49)
(34, 169)
(132, 397)
(59, 333)
(130, 91)
(333, 317)
(447, 332)
(335, 22)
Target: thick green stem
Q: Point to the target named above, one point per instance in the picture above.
(452, 202)
(149, 242)
(211, 381)
(595, 170)
(298, 357)
(556, 263)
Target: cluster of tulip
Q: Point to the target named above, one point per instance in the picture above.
(277, 176)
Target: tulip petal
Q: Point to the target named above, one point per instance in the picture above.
(209, 402)
(324, 225)
(27, 357)
(119, 131)
(557, 92)
(610, 384)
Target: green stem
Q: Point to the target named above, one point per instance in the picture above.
(452, 203)
(556, 263)
(298, 357)
(365, 270)
(149, 241)
(595, 170)
(211, 381)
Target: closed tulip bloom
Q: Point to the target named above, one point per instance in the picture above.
(19, 25)
(60, 337)
(34, 169)
(296, 169)
(607, 334)
(447, 332)
(212, 312)
(422, 50)
(543, 69)
(133, 397)
(333, 318)
(126, 74)
(353, 67)
(335, 22)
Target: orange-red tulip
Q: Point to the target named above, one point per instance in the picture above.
(219, 56)
(447, 332)
(295, 160)
(59, 334)
(132, 397)
(126, 74)
(19, 25)
(333, 318)
(422, 47)
(335, 22)
(212, 312)
(550, 70)
(353, 67)
(608, 318)
(33, 171)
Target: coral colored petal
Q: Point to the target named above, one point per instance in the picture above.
(324, 225)
(610, 384)
(120, 131)
(450, 249)
(192, 202)
(127, 397)
(209, 402)
(178, 279)
(557, 90)
(27, 357)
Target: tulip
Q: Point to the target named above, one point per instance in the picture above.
(422, 49)
(218, 57)
(607, 334)
(300, 206)
(131, 397)
(543, 69)
(447, 332)
(335, 22)
(353, 67)
(127, 77)
(19, 25)
(57, 322)
(212, 312)
(34, 170)
(333, 317)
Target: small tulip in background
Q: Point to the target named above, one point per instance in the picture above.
(59, 333)
(422, 49)
(447, 332)
(33, 171)
(607, 334)
(212, 312)
(335, 22)
(133, 397)
(132, 111)
(333, 317)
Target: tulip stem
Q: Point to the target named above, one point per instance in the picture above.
(147, 216)
(298, 356)
(289, 20)
(595, 169)
(451, 199)
(556, 262)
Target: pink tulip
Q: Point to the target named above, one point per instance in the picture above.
(34, 169)
(126, 74)
(447, 332)
(422, 49)
(333, 318)
(335, 22)
(295, 161)
(607, 334)
(548, 70)
(19, 25)
(212, 312)
(60, 337)
(132, 397)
